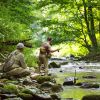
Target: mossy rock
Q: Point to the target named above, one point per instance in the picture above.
(4, 91)
(89, 85)
(64, 63)
(56, 88)
(25, 96)
(42, 79)
(11, 88)
(78, 84)
(55, 96)
(54, 65)
(91, 97)
(29, 91)
(89, 76)
(47, 85)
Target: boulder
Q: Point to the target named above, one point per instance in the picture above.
(25, 96)
(69, 81)
(42, 97)
(89, 76)
(51, 86)
(64, 63)
(56, 88)
(42, 79)
(91, 97)
(89, 85)
(47, 85)
(54, 65)
(29, 91)
(55, 96)
(78, 84)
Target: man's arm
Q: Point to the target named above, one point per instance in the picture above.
(54, 50)
(22, 61)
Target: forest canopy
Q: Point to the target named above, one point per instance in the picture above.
(66, 21)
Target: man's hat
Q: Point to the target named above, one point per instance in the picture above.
(20, 46)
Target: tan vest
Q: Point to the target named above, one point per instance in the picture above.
(44, 49)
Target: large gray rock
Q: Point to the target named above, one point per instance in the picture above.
(54, 65)
(69, 81)
(51, 86)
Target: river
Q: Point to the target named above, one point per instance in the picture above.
(76, 69)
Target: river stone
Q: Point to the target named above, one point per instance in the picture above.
(25, 96)
(27, 82)
(4, 96)
(91, 97)
(54, 65)
(56, 88)
(55, 96)
(69, 81)
(29, 91)
(41, 79)
(78, 84)
(17, 98)
(47, 85)
(42, 97)
(64, 63)
(89, 77)
(89, 85)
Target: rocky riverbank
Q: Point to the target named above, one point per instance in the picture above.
(37, 88)
(95, 57)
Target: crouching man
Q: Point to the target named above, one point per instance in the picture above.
(15, 64)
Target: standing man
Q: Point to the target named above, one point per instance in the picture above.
(45, 54)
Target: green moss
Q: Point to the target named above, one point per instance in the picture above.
(25, 96)
(41, 79)
(11, 88)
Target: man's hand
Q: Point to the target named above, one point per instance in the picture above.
(58, 49)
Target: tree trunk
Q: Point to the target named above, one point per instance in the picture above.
(92, 29)
(89, 20)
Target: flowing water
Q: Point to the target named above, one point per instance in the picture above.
(76, 69)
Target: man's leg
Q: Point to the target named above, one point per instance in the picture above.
(19, 72)
(46, 65)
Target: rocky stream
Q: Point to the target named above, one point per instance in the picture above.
(67, 80)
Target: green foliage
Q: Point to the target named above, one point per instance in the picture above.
(30, 57)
